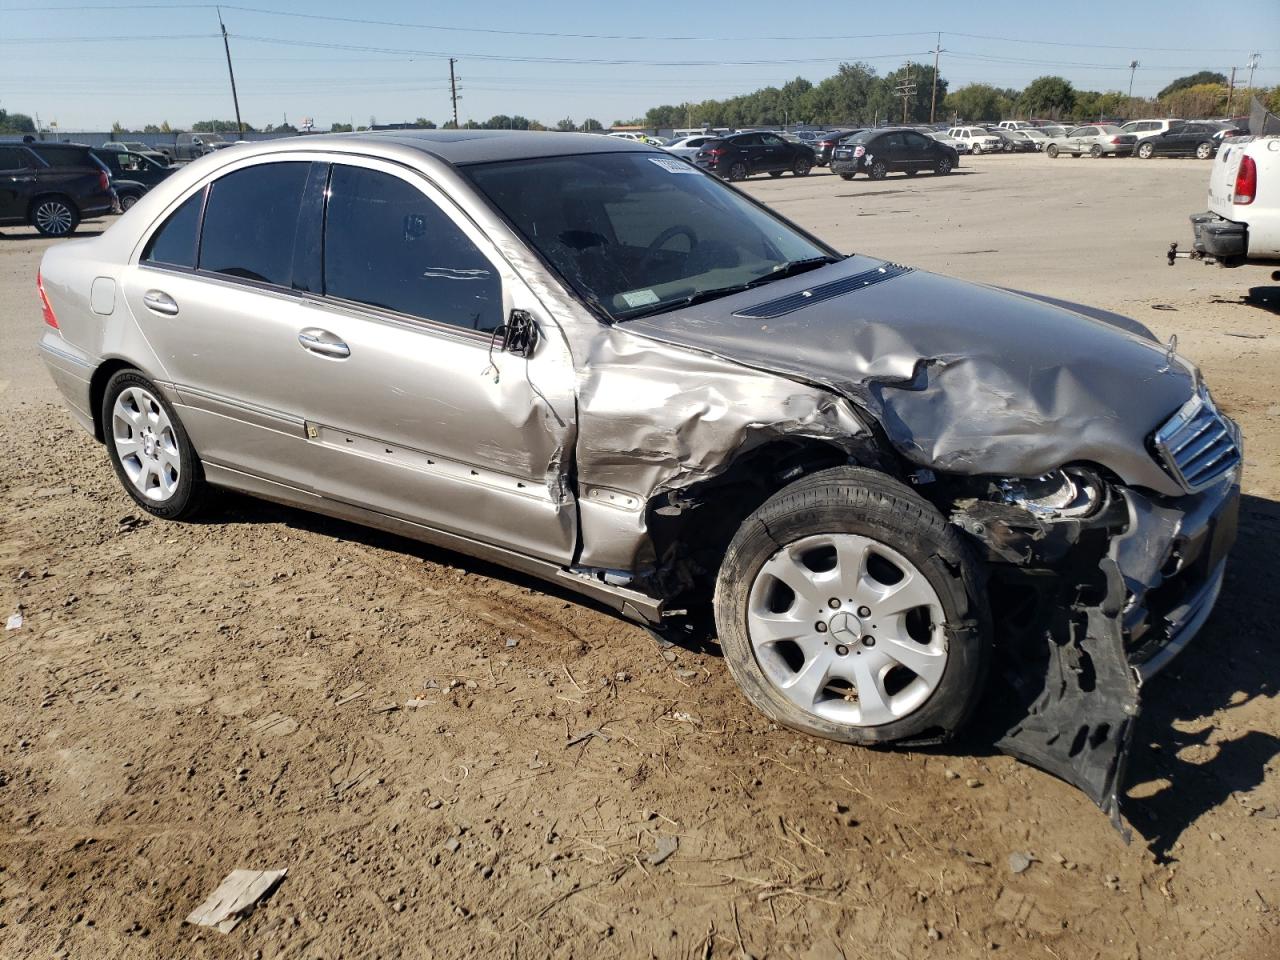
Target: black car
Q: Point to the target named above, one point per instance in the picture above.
(826, 144)
(877, 153)
(127, 165)
(740, 155)
(1183, 140)
(51, 186)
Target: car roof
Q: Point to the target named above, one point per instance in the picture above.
(461, 147)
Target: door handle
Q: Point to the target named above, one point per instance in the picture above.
(158, 301)
(324, 343)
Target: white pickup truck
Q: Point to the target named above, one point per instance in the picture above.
(1242, 224)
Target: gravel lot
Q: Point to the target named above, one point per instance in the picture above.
(184, 700)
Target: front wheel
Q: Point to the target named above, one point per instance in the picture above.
(54, 217)
(1095, 151)
(1052, 151)
(943, 166)
(1204, 151)
(912, 171)
(848, 607)
(1146, 151)
(846, 176)
(738, 171)
(976, 149)
(149, 448)
(802, 167)
(775, 174)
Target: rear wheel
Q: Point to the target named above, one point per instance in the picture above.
(879, 170)
(976, 149)
(1146, 151)
(848, 607)
(1052, 151)
(802, 167)
(1204, 151)
(54, 216)
(737, 171)
(127, 201)
(149, 448)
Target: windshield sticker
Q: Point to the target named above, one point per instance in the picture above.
(672, 165)
(639, 298)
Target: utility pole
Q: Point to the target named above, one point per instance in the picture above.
(231, 73)
(453, 90)
(1231, 90)
(1133, 67)
(933, 101)
(905, 89)
(1253, 65)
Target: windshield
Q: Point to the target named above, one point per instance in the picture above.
(636, 233)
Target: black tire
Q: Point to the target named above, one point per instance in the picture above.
(879, 170)
(846, 176)
(192, 492)
(54, 216)
(864, 502)
(1096, 151)
(943, 167)
(802, 167)
(1204, 150)
(1052, 151)
(128, 200)
(1145, 151)
(976, 149)
(776, 173)
(912, 171)
(737, 171)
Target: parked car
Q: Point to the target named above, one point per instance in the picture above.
(688, 147)
(127, 193)
(136, 146)
(978, 139)
(1008, 143)
(190, 146)
(1149, 127)
(126, 165)
(959, 146)
(1052, 130)
(1180, 140)
(587, 361)
(1097, 140)
(743, 155)
(825, 145)
(877, 153)
(1016, 125)
(1242, 224)
(51, 186)
(1029, 139)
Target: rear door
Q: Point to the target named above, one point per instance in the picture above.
(892, 149)
(17, 177)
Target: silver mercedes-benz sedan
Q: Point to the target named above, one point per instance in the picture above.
(588, 360)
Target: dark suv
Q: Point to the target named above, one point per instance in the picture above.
(877, 152)
(51, 186)
(740, 155)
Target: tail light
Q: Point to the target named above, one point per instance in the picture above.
(1115, 139)
(1246, 187)
(716, 152)
(104, 181)
(47, 309)
(859, 151)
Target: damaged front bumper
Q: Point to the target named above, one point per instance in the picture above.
(1088, 610)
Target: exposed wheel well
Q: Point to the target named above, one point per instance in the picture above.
(691, 529)
(98, 388)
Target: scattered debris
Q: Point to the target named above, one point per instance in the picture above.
(666, 847)
(1215, 836)
(681, 717)
(235, 898)
(512, 642)
(1020, 862)
(128, 522)
(452, 844)
(586, 735)
(1247, 336)
(686, 674)
(353, 692)
(274, 724)
(973, 782)
(951, 774)
(1163, 306)
(14, 622)
(387, 708)
(418, 702)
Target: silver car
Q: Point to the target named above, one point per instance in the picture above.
(1096, 140)
(585, 359)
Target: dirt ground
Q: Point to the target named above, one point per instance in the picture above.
(401, 727)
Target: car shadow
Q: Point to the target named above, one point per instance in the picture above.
(1228, 666)
(28, 234)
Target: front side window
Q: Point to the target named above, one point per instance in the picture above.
(175, 243)
(387, 245)
(250, 222)
(14, 158)
(635, 233)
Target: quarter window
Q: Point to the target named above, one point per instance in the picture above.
(174, 244)
(250, 222)
(387, 245)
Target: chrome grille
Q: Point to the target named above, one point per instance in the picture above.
(1198, 443)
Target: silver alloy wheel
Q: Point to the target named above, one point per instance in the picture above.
(847, 629)
(146, 444)
(53, 217)
(1203, 151)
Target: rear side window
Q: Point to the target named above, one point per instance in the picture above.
(387, 245)
(250, 222)
(174, 244)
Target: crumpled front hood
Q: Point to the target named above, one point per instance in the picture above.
(963, 378)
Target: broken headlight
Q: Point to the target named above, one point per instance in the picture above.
(1072, 492)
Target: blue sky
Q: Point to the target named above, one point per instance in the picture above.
(90, 63)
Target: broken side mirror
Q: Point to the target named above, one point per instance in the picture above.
(519, 334)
